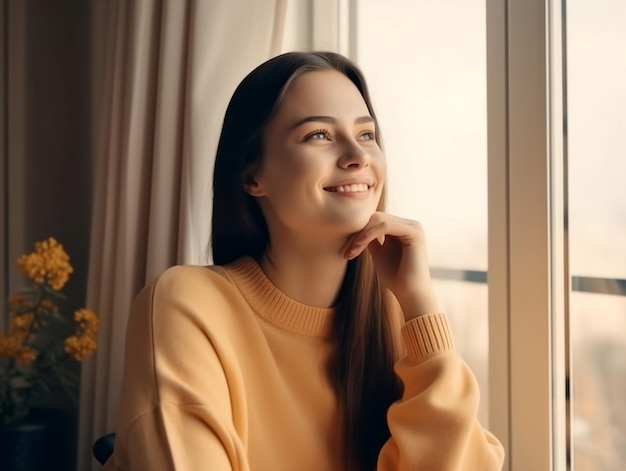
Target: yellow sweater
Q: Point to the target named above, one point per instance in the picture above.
(225, 372)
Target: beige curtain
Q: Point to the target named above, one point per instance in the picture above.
(162, 75)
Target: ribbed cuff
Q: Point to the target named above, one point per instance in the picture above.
(426, 335)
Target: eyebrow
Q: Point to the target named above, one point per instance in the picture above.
(329, 119)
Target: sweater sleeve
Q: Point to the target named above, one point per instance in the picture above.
(434, 425)
(177, 406)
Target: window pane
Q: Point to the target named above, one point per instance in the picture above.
(428, 83)
(599, 381)
(466, 305)
(596, 73)
(596, 100)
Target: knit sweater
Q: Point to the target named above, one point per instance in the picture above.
(224, 372)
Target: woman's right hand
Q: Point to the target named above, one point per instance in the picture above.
(398, 248)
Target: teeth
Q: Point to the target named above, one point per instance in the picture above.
(354, 188)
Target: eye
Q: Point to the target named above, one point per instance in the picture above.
(367, 136)
(318, 135)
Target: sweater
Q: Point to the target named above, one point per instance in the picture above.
(224, 372)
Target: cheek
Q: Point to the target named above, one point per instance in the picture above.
(286, 177)
(298, 165)
(286, 183)
(294, 164)
(383, 169)
(380, 167)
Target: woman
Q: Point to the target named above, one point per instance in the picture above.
(316, 340)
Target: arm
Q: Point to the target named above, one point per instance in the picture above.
(434, 425)
(176, 408)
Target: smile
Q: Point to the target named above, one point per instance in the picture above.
(354, 188)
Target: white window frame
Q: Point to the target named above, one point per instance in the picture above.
(528, 277)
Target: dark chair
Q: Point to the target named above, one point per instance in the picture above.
(103, 447)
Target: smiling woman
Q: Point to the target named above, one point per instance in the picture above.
(322, 175)
(316, 341)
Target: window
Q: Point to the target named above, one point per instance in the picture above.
(546, 77)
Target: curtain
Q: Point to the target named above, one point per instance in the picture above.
(162, 74)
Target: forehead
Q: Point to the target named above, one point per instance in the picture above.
(323, 92)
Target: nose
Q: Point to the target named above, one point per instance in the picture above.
(353, 156)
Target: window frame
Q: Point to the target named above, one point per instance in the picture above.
(529, 282)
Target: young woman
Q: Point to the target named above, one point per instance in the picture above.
(316, 341)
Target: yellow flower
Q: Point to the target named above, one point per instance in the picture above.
(25, 356)
(47, 306)
(38, 329)
(18, 300)
(9, 345)
(88, 321)
(20, 324)
(83, 344)
(49, 264)
(80, 346)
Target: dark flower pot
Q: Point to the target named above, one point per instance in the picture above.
(40, 441)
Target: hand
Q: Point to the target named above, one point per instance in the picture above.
(398, 248)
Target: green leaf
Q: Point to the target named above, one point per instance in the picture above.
(53, 293)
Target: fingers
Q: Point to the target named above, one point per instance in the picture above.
(380, 226)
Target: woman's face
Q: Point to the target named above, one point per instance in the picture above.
(322, 172)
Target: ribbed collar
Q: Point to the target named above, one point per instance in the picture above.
(273, 305)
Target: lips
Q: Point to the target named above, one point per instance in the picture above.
(349, 188)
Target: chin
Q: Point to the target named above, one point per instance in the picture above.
(354, 225)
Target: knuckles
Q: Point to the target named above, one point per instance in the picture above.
(384, 222)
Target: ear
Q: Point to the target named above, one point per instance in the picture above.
(250, 181)
(253, 188)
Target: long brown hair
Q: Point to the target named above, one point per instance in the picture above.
(361, 367)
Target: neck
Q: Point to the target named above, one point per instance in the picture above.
(311, 275)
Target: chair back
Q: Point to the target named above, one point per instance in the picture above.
(103, 447)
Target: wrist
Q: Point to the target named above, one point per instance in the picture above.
(419, 303)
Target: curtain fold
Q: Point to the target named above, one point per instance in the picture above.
(163, 72)
(228, 39)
